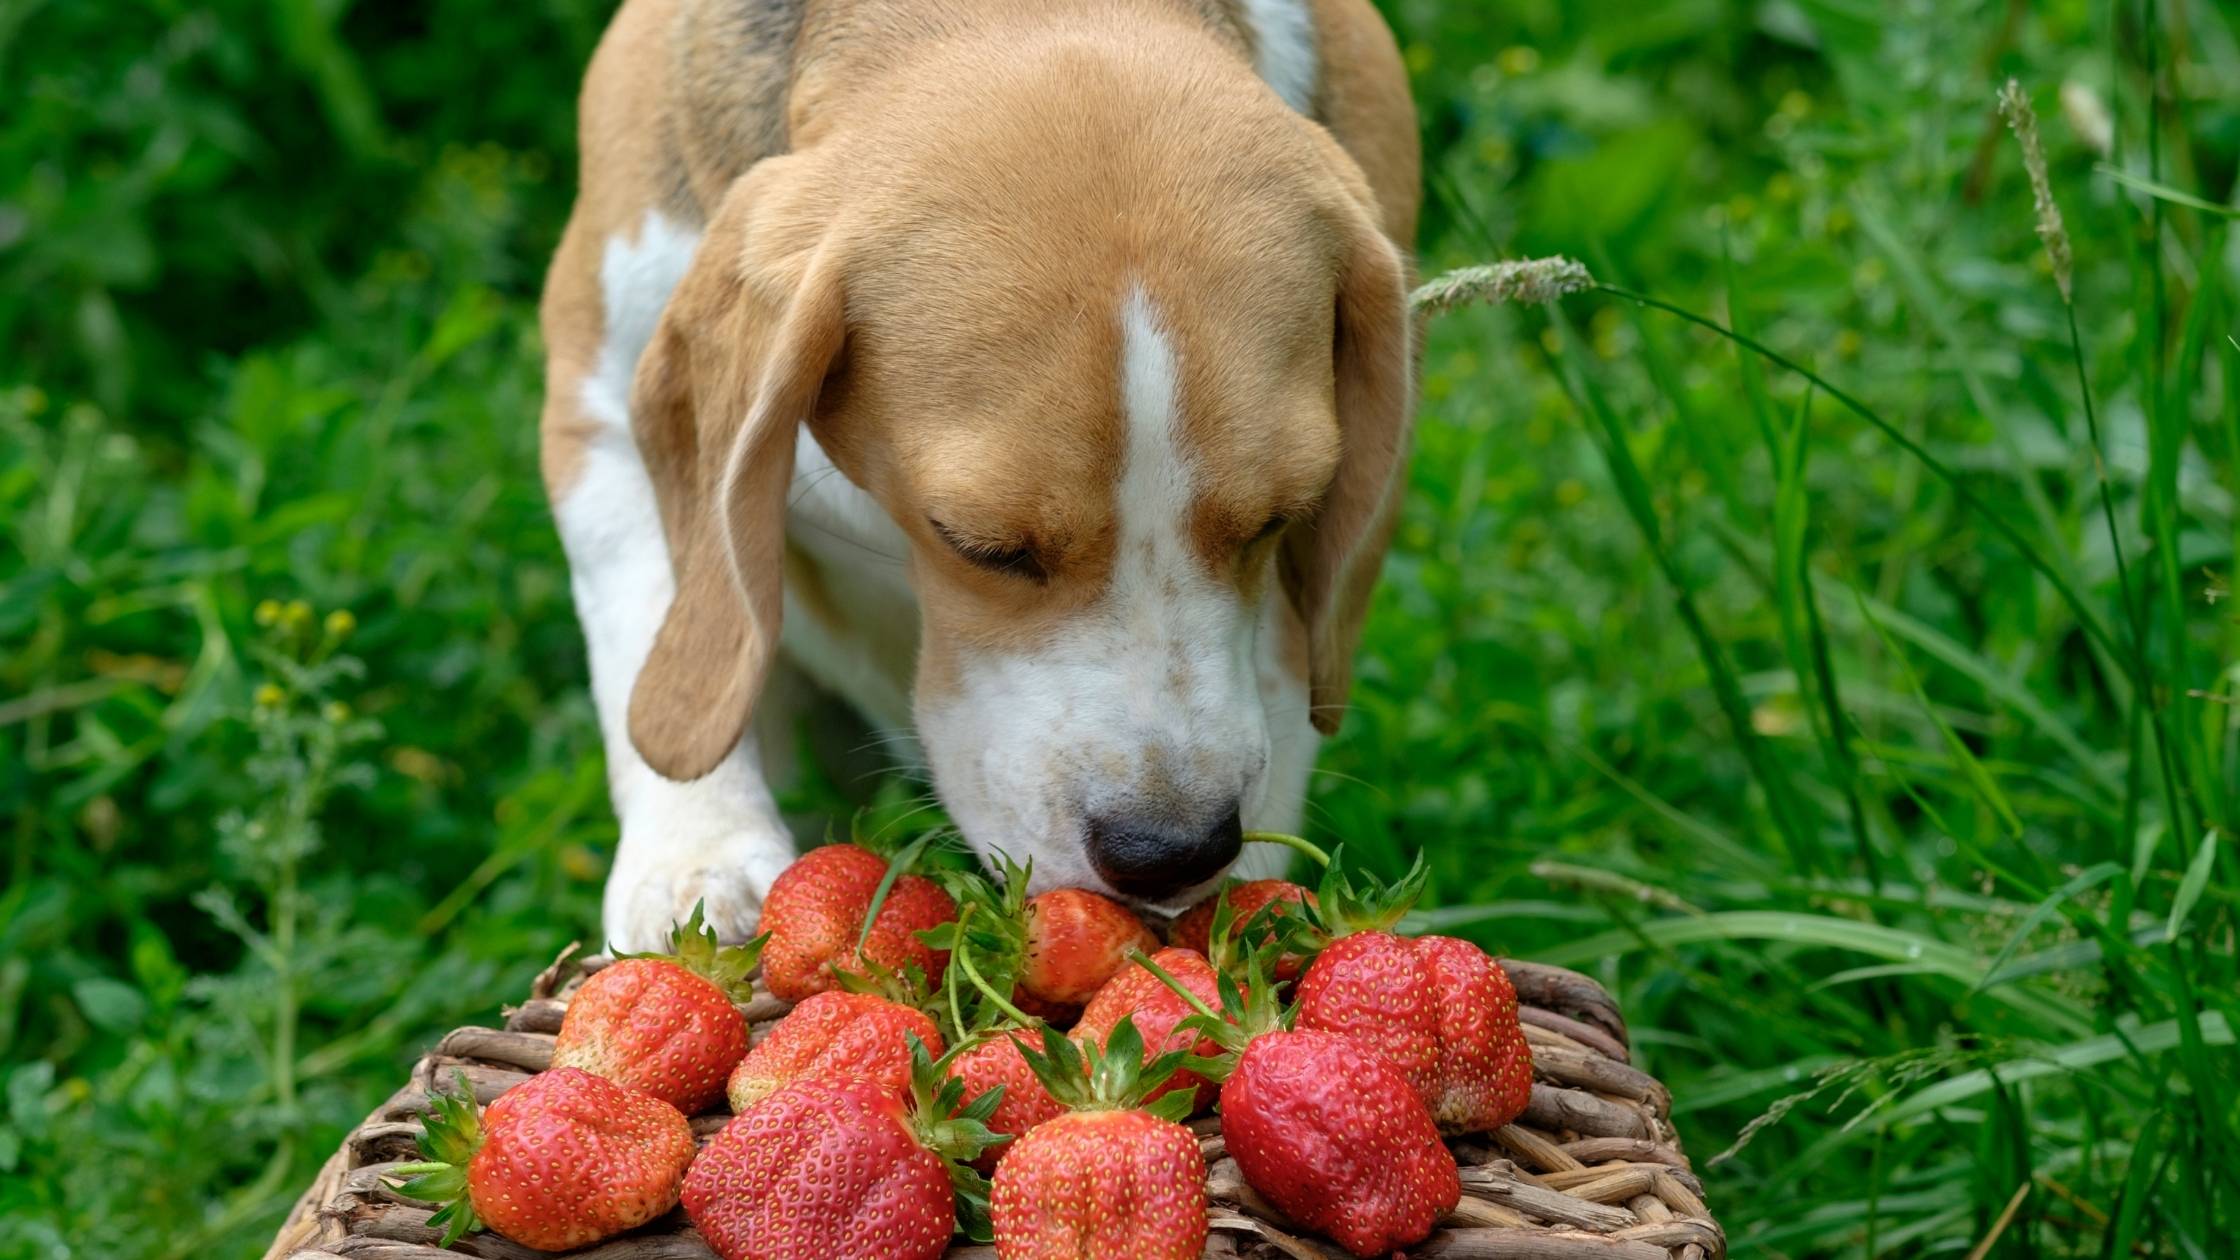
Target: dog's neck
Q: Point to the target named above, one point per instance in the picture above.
(750, 80)
(854, 53)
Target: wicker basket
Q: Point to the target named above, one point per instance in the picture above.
(1592, 1169)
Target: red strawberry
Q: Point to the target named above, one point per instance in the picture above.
(1323, 1126)
(832, 1035)
(1439, 1010)
(1025, 1104)
(1108, 1177)
(1075, 941)
(815, 913)
(561, 1160)
(1194, 929)
(1157, 1011)
(664, 1026)
(838, 1168)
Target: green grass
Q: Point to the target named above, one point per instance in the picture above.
(1871, 733)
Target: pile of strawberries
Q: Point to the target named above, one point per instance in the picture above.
(926, 1084)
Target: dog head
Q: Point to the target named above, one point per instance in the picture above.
(1132, 377)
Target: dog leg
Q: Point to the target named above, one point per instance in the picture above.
(719, 839)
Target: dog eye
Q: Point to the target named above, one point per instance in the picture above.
(1019, 562)
(1271, 529)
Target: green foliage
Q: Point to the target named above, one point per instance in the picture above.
(1832, 653)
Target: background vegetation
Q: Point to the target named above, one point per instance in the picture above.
(1878, 750)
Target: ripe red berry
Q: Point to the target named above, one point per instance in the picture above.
(815, 913)
(1111, 1176)
(1334, 1137)
(561, 1160)
(833, 1035)
(1076, 940)
(1025, 1104)
(663, 1025)
(827, 1169)
(1102, 1183)
(1439, 1010)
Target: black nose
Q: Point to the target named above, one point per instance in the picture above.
(1153, 857)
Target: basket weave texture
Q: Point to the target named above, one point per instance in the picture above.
(1592, 1171)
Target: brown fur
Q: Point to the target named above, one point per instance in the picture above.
(930, 275)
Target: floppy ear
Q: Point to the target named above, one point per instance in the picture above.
(1335, 556)
(735, 365)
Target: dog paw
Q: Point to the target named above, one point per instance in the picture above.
(660, 875)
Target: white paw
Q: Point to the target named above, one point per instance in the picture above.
(663, 870)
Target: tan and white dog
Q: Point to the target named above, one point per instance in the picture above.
(1032, 374)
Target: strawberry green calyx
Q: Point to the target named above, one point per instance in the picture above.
(954, 1129)
(449, 1138)
(1111, 1077)
(1352, 901)
(1228, 942)
(693, 946)
(903, 986)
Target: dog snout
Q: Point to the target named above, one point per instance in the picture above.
(1156, 856)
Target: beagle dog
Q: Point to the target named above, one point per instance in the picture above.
(1033, 375)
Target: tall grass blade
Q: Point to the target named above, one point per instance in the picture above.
(2196, 878)
(2076, 1056)
(1979, 778)
(1801, 634)
(2087, 620)
(2086, 879)
(1997, 684)
(2148, 1161)
(1633, 491)
(2164, 192)
(1874, 940)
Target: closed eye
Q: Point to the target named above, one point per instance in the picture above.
(1014, 561)
(1273, 527)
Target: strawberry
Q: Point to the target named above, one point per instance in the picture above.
(1438, 1009)
(1194, 929)
(561, 1160)
(1157, 1012)
(815, 913)
(1332, 1135)
(1075, 941)
(1107, 1177)
(1321, 1125)
(1049, 953)
(842, 1167)
(664, 1025)
(997, 1061)
(833, 1034)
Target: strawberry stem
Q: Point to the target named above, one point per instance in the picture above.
(1198, 1004)
(962, 957)
(1297, 844)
